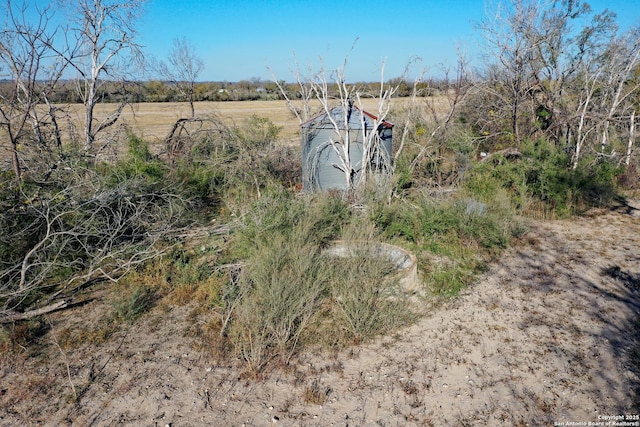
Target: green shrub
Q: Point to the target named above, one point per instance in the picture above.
(233, 166)
(131, 303)
(257, 132)
(462, 229)
(396, 221)
(402, 174)
(199, 181)
(316, 219)
(138, 164)
(541, 179)
(367, 301)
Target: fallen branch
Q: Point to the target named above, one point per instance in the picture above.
(15, 316)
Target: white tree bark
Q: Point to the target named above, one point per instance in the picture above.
(632, 137)
(106, 31)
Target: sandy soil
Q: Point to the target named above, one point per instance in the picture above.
(549, 335)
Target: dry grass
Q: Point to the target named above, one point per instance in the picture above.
(153, 121)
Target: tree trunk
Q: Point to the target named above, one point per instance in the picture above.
(13, 316)
(89, 107)
(15, 163)
(605, 136)
(56, 127)
(632, 137)
(514, 118)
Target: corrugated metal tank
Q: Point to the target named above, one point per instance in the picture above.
(320, 162)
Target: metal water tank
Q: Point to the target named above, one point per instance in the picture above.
(322, 167)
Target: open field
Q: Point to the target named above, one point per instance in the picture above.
(153, 121)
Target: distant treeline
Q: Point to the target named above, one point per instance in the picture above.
(164, 91)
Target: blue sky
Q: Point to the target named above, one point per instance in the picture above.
(238, 39)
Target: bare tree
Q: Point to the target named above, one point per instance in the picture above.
(106, 32)
(305, 94)
(567, 70)
(632, 137)
(437, 114)
(26, 61)
(183, 69)
(411, 114)
(508, 32)
(606, 91)
(621, 60)
(584, 106)
(564, 51)
(350, 96)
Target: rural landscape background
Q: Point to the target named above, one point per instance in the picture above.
(160, 265)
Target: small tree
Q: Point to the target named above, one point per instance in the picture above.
(183, 69)
(508, 32)
(26, 49)
(106, 32)
(437, 114)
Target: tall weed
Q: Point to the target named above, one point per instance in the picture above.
(290, 290)
(279, 242)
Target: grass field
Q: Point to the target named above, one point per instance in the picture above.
(153, 121)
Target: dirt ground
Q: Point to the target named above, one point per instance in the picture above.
(548, 336)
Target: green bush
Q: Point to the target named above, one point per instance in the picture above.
(447, 281)
(199, 181)
(131, 303)
(230, 167)
(428, 220)
(138, 164)
(279, 242)
(396, 221)
(257, 132)
(367, 301)
(460, 231)
(541, 179)
(317, 219)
